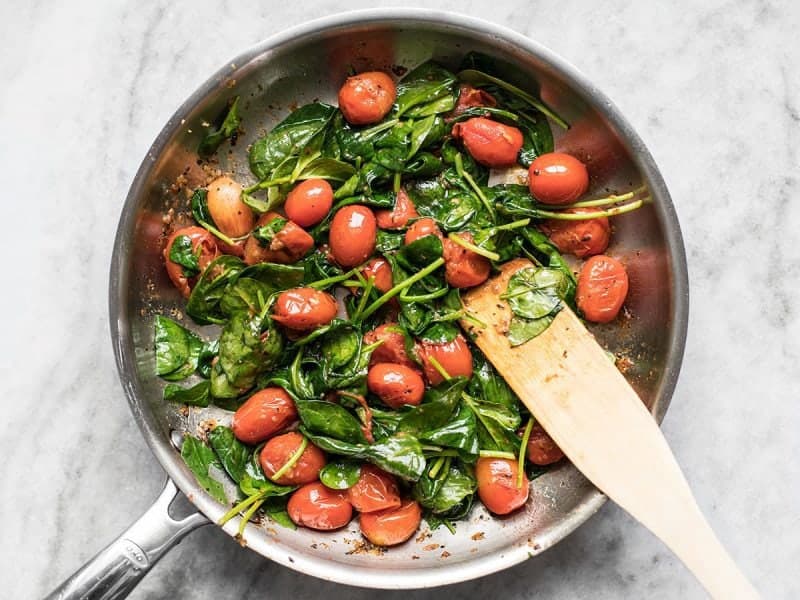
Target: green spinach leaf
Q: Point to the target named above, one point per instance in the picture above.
(228, 129)
(177, 349)
(203, 305)
(232, 453)
(181, 253)
(197, 395)
(200, 458)
(340, 474)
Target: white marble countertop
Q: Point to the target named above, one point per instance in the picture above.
(714, 92)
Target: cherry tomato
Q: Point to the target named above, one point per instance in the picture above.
(542, 450)
(464, 268)
(397, 218)
(455, 358)
(557, 178)
(392, 348)
(231, 216)
(391, 526)
(309, 202)
(375, 490)
(265, 413)
(277, 452)
(304, 308)
(396, 385)
(381, 270)
(203, 243)
(352, 236)
(602, 287)
(318, 507)
(491, 143)
(469, 97)
(421, 228)
(497, 485)
(581, 238)
(288, 246)
(367, 97)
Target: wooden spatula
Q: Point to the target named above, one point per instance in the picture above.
(580, 398)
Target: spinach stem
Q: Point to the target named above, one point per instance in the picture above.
(472, 319)
(396, 183)
(292, 461)
(522, 449)
(249, 515)
(240, 507)
(423, 297)
(612, 199)
(496, 454)
(364, 297)
(438, 366)
(508, 226)
(401, 286)
(323, 283)
(216, 232)
(472, 247)
(476, 188)
(437, 465)
(616, 210)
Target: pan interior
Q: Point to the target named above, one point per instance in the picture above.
(271, 80)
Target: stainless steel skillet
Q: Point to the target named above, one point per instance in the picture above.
(298, 66)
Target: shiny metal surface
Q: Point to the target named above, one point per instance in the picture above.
(310, 62)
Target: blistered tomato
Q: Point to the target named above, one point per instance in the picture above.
(265, 413)
(464, 268)
(231, 216)
(397, 218)
(375, 490)
(318, 507)
(304, 308)
(419, 229)
(287, 246)
(396, 385)
(309, 202)
(352, 235)
(204, 246)
(277, 452)
(391, 526)
(367, 97)
(490, 143)
(497, 485)
(470, 97)
(581, 238)
(542, 450)
(557, 178)
(453, 356)
(380, 271)
(602, 288)
(393, 345)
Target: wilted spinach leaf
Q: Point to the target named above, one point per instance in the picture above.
(227, 129)
(331, 420)
(197, 395)
(534, 295)
(200, 458)
(248, 346)
(340, 474)
(203, 305)
(428, 89)
(232, 453)
(437, 406)
(177, 349)
(181, 253)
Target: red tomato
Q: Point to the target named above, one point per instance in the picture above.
(202, 242)
(464, 268)
(392, 348)
(375, 490)
(381, 270)
(265, 413)
(352, 236)
(367, 97)
(497, 485)
(231, 216)
(421, 228)
(557, 178)
(455, 358)
(581, 238)
(391, 526)
(397, 218)
(277, 452)
(490, 143)
(309, 202)
(396, 385)
(542, 450)
(303, 308)
(288, 246)
(469, 97)
(318, 507)
(602, 287)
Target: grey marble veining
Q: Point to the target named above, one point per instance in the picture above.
(714, 91)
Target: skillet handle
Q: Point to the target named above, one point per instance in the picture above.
(116, 570)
